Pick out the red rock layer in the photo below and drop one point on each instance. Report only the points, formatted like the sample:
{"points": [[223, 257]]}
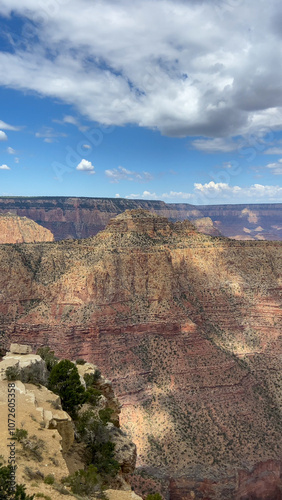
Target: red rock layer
{"points": [[84, 217], [187, 326]]}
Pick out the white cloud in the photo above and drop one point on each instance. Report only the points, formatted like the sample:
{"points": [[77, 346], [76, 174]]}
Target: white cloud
{"points": [[86, 166], [17, 160], [49, 135], [70, 119], [217, 145], [4, 167], [223, 191], [273, 151], [178, 195], [11, 151], [276, 167], [147, 195], [218, 193], [118, 174], [6, 126], [87, 146], [3, 136], [186, 68]]}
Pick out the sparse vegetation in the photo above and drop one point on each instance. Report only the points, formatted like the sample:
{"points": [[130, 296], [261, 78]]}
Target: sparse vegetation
{"points": [[12, 373], [48, 356], [5, 486], [93, 431], [20, 434], [80, 361], [86, 482], [49, 479]]}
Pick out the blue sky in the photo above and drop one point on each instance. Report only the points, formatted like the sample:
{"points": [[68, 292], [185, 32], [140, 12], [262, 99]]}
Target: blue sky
{"points": [[153, 99]]}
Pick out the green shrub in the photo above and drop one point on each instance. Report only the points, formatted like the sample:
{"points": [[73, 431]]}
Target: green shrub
{"points": [[154, 496], [20, 434], [5, 486], [33, 374], [48, 356], [12, 373], [93, 395], [33, 447], [95, 434], [49, 479], [80, 361], [91, 379], [64, 380], [106, 415], [85, 482]]}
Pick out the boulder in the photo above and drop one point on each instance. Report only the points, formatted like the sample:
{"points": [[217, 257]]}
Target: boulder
{"points": [[24, 366], [20, 349]]}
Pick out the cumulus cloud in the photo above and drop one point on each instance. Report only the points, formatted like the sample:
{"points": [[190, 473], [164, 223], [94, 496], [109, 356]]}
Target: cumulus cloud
{"points": [[119, 174], [86, 166], [218, 193], [146, 195], [186, 68], [3, 136], [254, 193], [178, 195], [276, 168], [4, 167]]}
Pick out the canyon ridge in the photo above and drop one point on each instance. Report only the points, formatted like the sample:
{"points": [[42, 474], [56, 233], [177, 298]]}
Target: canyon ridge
{"points": [[188, 328], [71, 217]]}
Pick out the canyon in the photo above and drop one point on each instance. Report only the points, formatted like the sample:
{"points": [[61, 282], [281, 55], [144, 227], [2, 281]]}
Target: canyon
{"points": [[188, 328], [70, 217]]}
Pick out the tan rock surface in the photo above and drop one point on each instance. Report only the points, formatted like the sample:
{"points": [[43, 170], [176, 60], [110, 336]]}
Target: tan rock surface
{"points": [[32, 413], [15, 229], [24, 363], [122, 495]]}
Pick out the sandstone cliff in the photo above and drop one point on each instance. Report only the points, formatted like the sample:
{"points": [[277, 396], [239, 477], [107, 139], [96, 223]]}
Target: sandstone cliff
{"points": [[84, 217], [47, 451], [14, 229], [187, 326]]}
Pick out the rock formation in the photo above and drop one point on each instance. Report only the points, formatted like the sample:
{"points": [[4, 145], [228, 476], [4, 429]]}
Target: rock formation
{"points": [[188, 328], [48, 443], [84, 217], [14, 229]]}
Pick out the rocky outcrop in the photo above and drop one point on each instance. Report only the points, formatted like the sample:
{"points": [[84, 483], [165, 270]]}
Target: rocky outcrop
{"points": [[188, 328], [84, 217], [206, 226], [48, 440], [24, 365], [15, 229]]}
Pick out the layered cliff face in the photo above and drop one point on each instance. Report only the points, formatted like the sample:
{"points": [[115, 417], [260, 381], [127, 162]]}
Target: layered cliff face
{"points": [[14, 229], [187, 326], [84, 217]]}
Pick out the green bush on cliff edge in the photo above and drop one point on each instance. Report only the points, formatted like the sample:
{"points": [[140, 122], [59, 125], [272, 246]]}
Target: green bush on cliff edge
{"points": [[5, 485], [64, 380]]}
